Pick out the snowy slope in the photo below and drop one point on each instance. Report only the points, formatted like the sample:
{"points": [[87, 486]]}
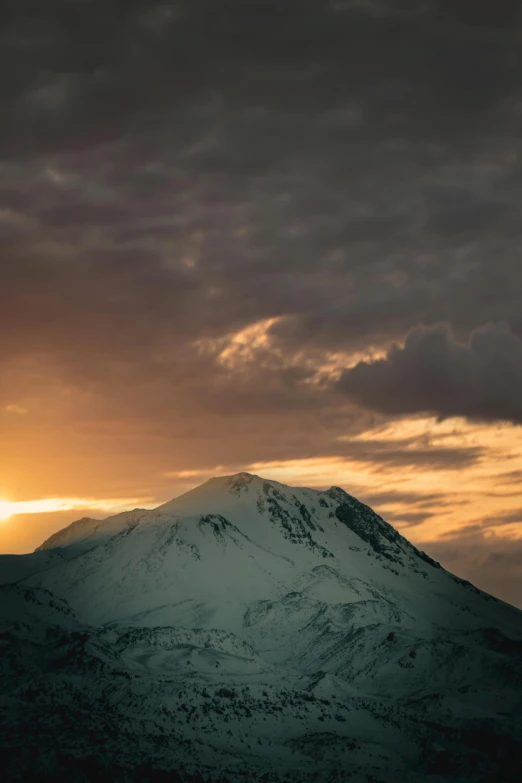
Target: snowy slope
{"points": [[282, 631]]}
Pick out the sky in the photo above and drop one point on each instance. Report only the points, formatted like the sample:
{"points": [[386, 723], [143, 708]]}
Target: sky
{"points": [[281, 237]]}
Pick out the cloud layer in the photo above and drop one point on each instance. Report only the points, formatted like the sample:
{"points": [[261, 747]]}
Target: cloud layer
{"points": [[434, 373], [181, 171]]}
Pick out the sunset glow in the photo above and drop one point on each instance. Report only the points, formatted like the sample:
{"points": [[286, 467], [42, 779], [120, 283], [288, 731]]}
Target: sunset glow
{"points": [[310, 273], [473, 494], [48, 505]]}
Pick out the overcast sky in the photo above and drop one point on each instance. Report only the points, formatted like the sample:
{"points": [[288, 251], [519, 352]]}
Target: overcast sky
{"points": [[282, 236]]}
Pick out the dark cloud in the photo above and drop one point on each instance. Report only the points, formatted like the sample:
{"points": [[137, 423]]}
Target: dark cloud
{"points": [[393, 455], [409, 519], [511, 477], [175, 171], [478, 552], [405, 498], [454, 210], [434, 373], [512, 517], [409, 509], [478, 13], [90, 72], [492, 564]]}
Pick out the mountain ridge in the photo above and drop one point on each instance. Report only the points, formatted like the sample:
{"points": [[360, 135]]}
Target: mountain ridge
{"points": [[224, 603]]}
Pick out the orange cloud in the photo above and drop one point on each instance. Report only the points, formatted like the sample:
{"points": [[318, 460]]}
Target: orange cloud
{"points": [[47, 505], [482, 493]]}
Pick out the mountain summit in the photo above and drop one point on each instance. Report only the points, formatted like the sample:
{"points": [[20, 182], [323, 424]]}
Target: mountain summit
{"points": [[249, 630]]}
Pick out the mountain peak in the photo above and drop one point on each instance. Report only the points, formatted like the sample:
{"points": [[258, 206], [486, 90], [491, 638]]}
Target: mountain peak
{"points": [[236, 479], [240, 481], [216, 489], [298, 608]]}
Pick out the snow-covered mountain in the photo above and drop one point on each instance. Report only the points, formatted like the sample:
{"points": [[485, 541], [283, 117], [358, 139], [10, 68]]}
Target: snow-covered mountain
{"points": [[252, 631]]}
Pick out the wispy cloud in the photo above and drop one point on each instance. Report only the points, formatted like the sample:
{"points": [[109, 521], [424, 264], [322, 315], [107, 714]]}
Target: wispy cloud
{"points": [[47, 505], [18, 409]]}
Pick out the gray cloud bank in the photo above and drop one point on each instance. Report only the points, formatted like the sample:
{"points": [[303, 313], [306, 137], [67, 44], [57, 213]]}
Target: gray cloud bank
{"points": [[434, 373], [493, 565], [177, 171]]}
